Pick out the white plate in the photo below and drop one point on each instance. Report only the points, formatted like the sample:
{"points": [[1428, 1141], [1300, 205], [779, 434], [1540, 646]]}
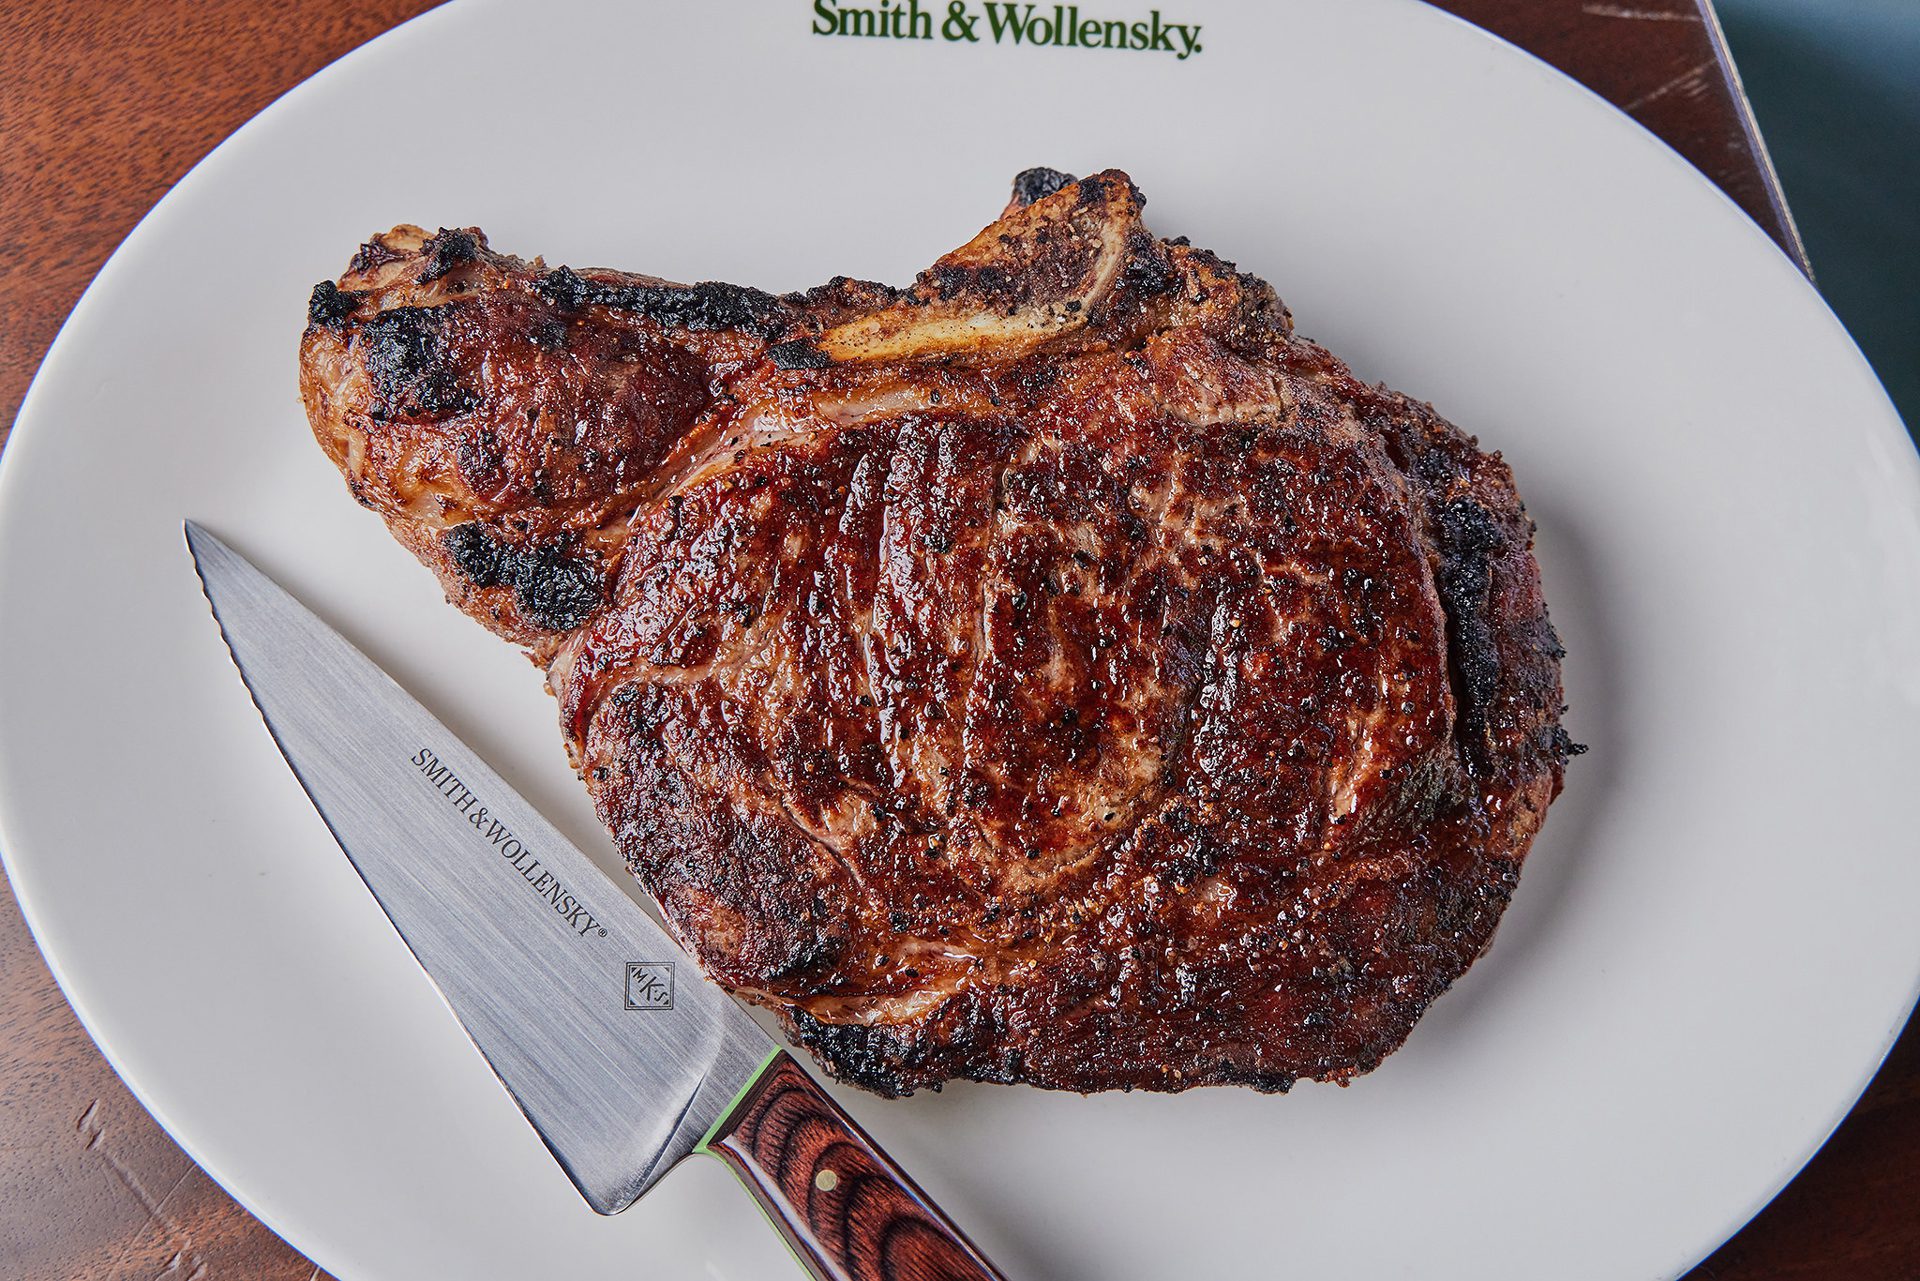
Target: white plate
{"points": [[1713, 942]]}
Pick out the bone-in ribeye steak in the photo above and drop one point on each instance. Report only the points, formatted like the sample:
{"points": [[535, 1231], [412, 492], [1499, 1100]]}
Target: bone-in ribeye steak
{"points": [[1056, 671]]}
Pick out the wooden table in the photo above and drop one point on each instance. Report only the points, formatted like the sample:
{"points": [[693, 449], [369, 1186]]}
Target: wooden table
{"points": [[103, 107]]}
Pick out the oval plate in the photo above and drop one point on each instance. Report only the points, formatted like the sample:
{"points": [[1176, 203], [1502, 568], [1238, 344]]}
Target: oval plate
{"points": [[1713, 942]]}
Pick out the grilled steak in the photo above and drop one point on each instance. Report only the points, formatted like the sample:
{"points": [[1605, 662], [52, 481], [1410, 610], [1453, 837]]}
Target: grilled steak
{"points": [[1056, 671]]}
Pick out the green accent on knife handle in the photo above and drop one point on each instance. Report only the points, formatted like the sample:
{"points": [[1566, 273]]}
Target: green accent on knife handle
{"points": [[846, 1210]]}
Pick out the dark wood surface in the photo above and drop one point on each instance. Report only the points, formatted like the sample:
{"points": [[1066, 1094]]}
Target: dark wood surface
{"points": [[104, 106], [1664, 63], [847, 1211]]}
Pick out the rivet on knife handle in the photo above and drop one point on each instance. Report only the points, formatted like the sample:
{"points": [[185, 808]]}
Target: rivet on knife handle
{"points": [[847, 1211]]}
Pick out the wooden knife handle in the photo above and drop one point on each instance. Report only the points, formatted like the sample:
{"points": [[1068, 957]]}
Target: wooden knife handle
{"points": [[847, 1211]]}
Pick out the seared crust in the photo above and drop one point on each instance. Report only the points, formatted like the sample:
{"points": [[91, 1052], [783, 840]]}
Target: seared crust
{"points": [[1054, 672], [503, 423]]}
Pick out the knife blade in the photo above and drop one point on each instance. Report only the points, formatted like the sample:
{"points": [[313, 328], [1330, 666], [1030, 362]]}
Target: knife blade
{"points": [[616, 1048]]}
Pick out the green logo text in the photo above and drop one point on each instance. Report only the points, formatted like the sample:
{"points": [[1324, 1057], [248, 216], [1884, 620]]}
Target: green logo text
{"points": [[1062, 26]]}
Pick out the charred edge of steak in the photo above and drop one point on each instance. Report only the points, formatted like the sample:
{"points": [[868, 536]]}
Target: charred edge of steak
{"points": [[710, 305], [894, 1064], [1038, 183], [798, 354], [406, 358], [1561, 745], [552, 590], [1468, 539], [373, 254], [1149, 270], [1258, 1081], [447, 250], [845, 294], [329, 306], [855, 1053]]}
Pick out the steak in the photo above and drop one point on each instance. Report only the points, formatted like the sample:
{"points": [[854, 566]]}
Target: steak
{"points": [[1056, 671]]}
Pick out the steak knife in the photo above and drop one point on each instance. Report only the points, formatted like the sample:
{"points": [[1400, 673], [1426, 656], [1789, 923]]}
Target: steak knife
{"points": [[622, 1055]]}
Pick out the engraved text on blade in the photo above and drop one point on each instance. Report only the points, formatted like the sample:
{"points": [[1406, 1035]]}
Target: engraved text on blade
{"points": [[511, 847]]}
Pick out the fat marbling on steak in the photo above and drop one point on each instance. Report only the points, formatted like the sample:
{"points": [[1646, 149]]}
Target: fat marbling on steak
{"points": [[1056, 671]]}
